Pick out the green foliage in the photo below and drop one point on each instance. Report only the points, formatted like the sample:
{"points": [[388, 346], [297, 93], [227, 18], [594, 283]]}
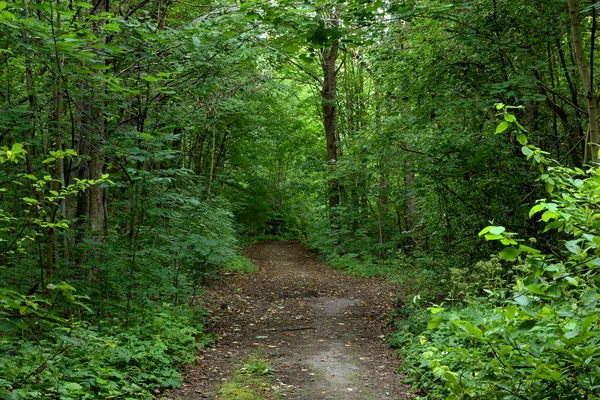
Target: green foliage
{"points": [[77, 360], [538, 340], [485, 276], [240, 264]]}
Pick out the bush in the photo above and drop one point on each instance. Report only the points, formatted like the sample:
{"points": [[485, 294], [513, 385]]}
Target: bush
{"points": [[77, 360], [539, 340]]}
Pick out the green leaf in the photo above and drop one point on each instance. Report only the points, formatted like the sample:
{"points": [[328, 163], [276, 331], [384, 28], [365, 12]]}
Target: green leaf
{"points": [[590, 297], [529, 250], [113, 27], [573, 247], [436, 310], [501, 127], [572, 280], [572, 333], [510, 118], [527, 325], [490, 236], [522, 139], [72, 386], [469, 328], [485, 230], [526, 151], [510, 312], [521, 299], [554, 291], [497, 230], [535, 209], [554, 225], [434, 322], [548, 215], [509, 254]]}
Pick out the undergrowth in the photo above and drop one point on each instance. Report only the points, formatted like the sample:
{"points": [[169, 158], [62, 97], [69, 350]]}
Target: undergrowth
{"points": [[48, 356], [239, 264], [523, 324]]}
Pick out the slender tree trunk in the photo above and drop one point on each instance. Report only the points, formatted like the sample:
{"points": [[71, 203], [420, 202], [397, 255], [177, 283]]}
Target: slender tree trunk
{"points": [[329, 108], [212, 160], [98, 221], [575, 135], [586, 79], [32, 97]]}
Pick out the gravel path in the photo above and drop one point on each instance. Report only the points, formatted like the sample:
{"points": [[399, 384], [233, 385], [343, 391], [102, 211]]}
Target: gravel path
{"points": [[321, 329]]}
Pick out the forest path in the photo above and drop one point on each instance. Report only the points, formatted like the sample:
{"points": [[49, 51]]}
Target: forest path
{"points": [[321, 329]]}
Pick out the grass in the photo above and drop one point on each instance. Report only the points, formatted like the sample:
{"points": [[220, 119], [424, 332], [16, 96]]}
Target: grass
{"points": [[241, 265], [251, 382]]}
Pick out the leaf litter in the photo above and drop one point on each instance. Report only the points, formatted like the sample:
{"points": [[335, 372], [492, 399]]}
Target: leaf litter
{"points": [[322, 330]]}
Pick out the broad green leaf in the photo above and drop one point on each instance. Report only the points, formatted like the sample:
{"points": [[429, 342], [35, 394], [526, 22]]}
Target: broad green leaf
{"points": [[497, 230], [572, 333], [573, 247], [554, 291], [590, 297], [436, 310], [521, 299], [572, 280], [548, 215], [510, 312], [501, 127], [72, 386], [485, 230], [529, 250], [509, 254], [526, 151], [527, 325], [491, 236], [434, 322], [535, 209], [554, 225], [522, 139]]}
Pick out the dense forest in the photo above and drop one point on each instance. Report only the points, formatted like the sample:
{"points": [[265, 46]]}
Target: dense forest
{"points": [[449, 146]]}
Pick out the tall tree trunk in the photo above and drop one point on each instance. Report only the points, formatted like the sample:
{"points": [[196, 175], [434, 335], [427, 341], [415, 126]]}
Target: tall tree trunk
{"points": [[32, 97], [328, 103], [586, 78], [97, 220], [575, 135]]}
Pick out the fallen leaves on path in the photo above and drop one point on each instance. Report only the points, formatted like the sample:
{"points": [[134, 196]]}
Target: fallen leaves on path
{"points": [[322, 330]]}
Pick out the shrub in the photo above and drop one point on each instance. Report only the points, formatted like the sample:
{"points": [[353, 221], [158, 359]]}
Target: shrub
{"points": [[540, 340]]}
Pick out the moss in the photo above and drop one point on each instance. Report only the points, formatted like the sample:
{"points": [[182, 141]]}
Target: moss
{"points": [[251, 382], [233, 390]]}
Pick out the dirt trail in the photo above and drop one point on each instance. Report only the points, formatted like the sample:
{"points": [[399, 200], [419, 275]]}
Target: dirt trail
{"points": [[322, 330]]}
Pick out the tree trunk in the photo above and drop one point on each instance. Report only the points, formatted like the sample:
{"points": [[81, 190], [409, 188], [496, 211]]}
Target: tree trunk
{"points": [[329, 108], [32, 97], [97, 208], [586, 79]]}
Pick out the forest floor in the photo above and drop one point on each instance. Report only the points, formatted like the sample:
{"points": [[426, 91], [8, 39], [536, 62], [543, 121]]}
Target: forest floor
{"points": [[321, 330]]}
